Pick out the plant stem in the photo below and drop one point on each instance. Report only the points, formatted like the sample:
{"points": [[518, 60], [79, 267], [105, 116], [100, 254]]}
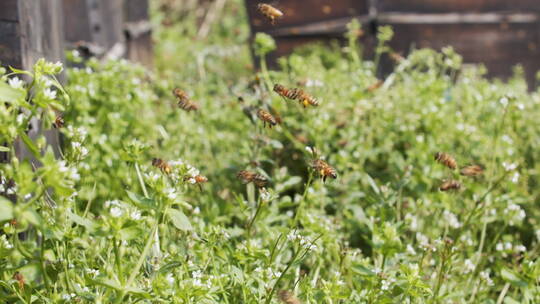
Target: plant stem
{"points": [[259, 207], [135, 270], [308, 184], [503, 293], [141, 181]]}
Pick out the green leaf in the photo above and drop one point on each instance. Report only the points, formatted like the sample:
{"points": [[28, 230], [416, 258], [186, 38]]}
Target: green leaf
{"points": [[30, 144], [4, 149], [129, 233], [141, 201], [362, 270], [6, 209], [87, 223], [179, 220], [32, 217], [9, 94], [512, 278]]}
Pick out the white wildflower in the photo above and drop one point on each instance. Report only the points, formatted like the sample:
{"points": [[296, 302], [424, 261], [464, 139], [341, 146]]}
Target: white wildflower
{"points": [[265, 196], [410, 249], [309, 149], [485, 276], [509, 166], [452, 219], [499, 246], [50, 94], [170, 278], [116, 211], [197, 210], [469, 266], [16, 83], [93, 272], [135, 215], [520, 248], [503, 101], [171, 193], [508, 246], [515, 177]]}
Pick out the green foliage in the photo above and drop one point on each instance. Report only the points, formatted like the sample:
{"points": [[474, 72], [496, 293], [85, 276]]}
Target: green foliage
{"points": [[100, 224]]}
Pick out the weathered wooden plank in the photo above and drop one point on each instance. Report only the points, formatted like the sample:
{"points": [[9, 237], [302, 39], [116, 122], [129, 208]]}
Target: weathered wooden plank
{"points": [[498, 46], [304, 12], [9, 10], [138, 32], [445, 6], [10, 44]]}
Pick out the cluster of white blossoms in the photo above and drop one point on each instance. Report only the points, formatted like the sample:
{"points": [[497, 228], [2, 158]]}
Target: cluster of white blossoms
{"points": [[469, 266], [451, 219], [302, 240], [4, 243], [79, 150], [70, 171], [69, 296], [93, 272], [197, 280], [7, 188], [507, 247], [514, 213], [386, 284], [484, 275]]}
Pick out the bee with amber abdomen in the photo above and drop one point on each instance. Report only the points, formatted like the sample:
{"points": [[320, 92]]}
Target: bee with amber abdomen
{"points": [[285, 92], [162, 165], [266, 118], [449, 185], [59, 122], [446, 159], [184, 102], [323, 169], [300, 95], [472, 170], [288, 297], [17, 276], [196, 180], [271, 13], [251, 177], [375, 86], [306, 99]]}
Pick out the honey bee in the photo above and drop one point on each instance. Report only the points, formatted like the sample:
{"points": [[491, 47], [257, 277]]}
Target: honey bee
{"points": [[58, 122], [162, 165], [323, 169], [271, 13], [197, 180], [184, 102], [17, 276], [251, 177], [266, 118], [450, 185], [472, 170], [446, 159], [304, 98], [288, 297], [375, 86]]}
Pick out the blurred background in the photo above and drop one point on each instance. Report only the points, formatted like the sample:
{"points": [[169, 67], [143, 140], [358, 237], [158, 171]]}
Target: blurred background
{"points": [[496, 33]]}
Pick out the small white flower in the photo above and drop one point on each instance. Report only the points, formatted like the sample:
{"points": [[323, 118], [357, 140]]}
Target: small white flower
{"points": [[93, 272], [50, 94], [265, 196], [135, 215], [469, 266], [196, 210], [309, 149], [508, 246], [76, 54], [116, 211], [499, 246], [171, 194], [192, 180], [76, 144], [509, 166], [515, 178], [410, 249], [520, 248], [170, 278], [504, 101], [16, 83]]}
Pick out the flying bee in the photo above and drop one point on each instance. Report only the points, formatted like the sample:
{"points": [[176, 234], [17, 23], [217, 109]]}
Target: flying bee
{"points": [[375, 86], [251, 177], [184, 102], [323, 169], [162, 165], [450, 185], [266, 117], [472, 170], [305, 99], [17, 276], [288, 297], [446, 159], [286, 93], [271, 13], [58, 122], [196, 180]]}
